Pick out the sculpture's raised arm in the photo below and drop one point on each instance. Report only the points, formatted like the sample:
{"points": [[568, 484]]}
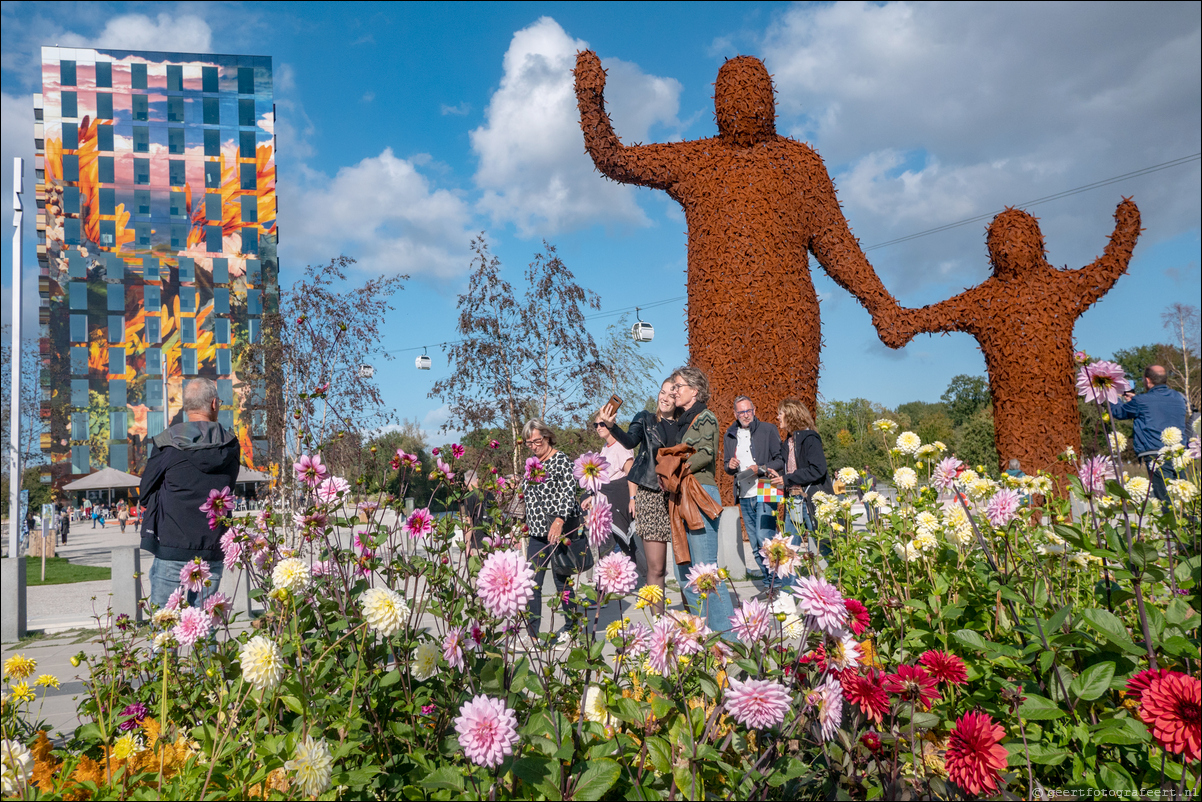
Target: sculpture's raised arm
{"points": [[1095, 280], [647, 165]]}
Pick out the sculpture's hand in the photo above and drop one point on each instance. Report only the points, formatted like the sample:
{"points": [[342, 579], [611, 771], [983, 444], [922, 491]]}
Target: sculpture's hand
{"points": [[590, 76], [894, 325]]}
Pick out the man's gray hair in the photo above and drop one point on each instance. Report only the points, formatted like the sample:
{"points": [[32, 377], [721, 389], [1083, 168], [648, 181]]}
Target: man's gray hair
{"points": [[744, 398], [544, 431], [199, 394]]}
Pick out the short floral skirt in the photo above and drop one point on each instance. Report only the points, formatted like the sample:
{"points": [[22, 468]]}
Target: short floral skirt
{"points": [[651, 512]]}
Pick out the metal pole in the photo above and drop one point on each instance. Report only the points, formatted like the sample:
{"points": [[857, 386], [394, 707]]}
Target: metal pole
{"points": [[166, 398], [14, 410]]}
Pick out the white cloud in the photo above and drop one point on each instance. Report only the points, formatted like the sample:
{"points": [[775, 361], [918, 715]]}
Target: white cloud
{"points": [[185, 33], [533, 170], [458, 110], [382, 212], [931, 113]]}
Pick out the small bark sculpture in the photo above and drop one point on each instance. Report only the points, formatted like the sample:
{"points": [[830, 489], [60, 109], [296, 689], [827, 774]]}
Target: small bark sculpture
{"points": [[1022, 317]]}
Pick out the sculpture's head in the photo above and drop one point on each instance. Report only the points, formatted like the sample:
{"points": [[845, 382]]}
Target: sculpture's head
{"points": [[743, 101], [1015, 243]]}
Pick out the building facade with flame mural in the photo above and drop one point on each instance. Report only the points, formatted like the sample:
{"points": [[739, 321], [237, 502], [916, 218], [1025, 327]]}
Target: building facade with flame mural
{"points": [[156, 245]]}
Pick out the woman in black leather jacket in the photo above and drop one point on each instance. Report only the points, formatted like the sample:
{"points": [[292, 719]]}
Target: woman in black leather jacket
{"points": [[649, 432]]}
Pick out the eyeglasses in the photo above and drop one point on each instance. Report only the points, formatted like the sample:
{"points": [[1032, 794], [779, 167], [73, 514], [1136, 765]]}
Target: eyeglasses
{"points": [[535, 443], [742, 412], [600, 426]]}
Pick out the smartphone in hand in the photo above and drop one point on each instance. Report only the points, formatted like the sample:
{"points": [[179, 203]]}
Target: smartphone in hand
{"points": [[610, 410]]}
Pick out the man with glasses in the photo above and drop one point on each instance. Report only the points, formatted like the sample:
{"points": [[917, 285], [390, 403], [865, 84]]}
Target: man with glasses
{"points": [[750, 447]]}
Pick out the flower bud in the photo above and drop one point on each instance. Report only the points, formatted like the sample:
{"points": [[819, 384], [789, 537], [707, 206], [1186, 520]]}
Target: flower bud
{"points": [[75, 661]]}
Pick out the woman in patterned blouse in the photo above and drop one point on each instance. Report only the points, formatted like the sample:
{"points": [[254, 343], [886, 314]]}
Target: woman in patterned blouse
{"points": [[552, 515]]}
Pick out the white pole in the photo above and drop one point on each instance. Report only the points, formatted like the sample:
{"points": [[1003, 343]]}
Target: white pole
{"points": [[14, 410], [166, 398]]}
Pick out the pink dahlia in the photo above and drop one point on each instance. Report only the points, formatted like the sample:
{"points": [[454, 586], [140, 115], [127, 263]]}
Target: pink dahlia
{"points": [[332, 489], [841, 652], [757, 703], [488, 731], [857, 615], [219, 607], [176, 599], [975, 756], [442, 470], [218, 504], [820, 599], [750, 622], [1140, 682], [408, 460], [194, 624], [704, 578], [945, 473], [310, 470], [505, 584], [457, 451], [231, 547], [535, 472], [1172, 708], [1102, 381], [674, 635], [475, 636], [1003, 507], [638, 639], [617, 574], [452, 647], [590, 469], [1094, 472], [420, 523], [945, 667], [194, 575], [830, 707], [599, 520]]}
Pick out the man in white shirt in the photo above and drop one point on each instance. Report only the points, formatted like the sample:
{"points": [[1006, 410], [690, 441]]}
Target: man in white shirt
{"points": [[749, 448]]}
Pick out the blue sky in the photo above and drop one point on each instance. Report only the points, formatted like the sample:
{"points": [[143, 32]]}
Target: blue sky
{"points": [[406, 129]]}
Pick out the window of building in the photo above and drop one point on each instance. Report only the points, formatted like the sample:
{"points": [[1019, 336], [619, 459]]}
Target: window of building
{"points": [[114, 267], [79, 426], [118, 424], [154, 329], [187, 360], [117, 393], [79, 361], [213, 207], [208, 79], [226, 418], [151, 298], [154, 422], [221, 271], [150, 268], [141, 171], [79, 328], [213, 175], [175, 78], [250, 208], [187, 330], [116, 328], [253, 268], [178, 204], [254, 302], [213, 239], [154, 362], [175, 109], [119, 454], [211, 111], [246, 144], [175, 141], [137, 76], [223, 362], [249, 174], [70, 168], [79, 393], [77, 266], [104, 170], [187, 269], [212, 142], [225, 391], [221, 331], [104, 105], [179, 237], [246, 80], [104, 138], [80, 459], [153, 391], [142, 233], [250, 240], [70, 105], [70, 137], [221, 301], [72, 231], [116, 297], [104, 74], [187, 300], [142, 201], [141, 108], [71, 200], [177, 174], [246, 112], [117, 361], [253, 330], [66, 73]]}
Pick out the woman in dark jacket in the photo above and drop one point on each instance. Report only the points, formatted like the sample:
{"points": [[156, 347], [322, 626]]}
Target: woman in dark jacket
{"points": [[648, 432], [805, 464]]}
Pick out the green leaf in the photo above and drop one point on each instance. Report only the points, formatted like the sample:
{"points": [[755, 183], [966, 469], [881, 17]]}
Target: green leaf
{"points": [[1116, 778], [1177, 612], [1057, 620], [659, 754], [443, 777], [1121, 732], [293, 704], [1041, 594], [1093, 682], [709, 685], [1189, 569], [390, 679], [533, 770], [1179, 646], [627, 710], [598, 778], [1112, 628], [1047, 755], [972, 640], [1037, 708], [661, 706]]}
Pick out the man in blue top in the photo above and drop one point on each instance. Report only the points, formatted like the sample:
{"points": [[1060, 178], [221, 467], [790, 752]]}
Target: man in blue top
{"points": [[1154, 411]]}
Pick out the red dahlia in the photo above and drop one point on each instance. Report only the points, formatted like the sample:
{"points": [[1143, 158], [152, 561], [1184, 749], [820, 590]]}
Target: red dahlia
{"points": [[857, 615], [974, 755], [1172, 708], [913, 684], [945, 667], [1140, 682], [871, 740], [866, 691]]}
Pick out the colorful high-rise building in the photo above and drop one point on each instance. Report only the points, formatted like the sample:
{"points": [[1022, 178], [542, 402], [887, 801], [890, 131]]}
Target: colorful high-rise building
{"points": [[156, 242]]}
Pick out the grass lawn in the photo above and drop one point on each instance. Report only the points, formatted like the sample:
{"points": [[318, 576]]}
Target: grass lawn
{"points": [[61, 572]]}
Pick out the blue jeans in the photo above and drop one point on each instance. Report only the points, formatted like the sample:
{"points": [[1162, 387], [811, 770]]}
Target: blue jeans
{"points": [[703, 548], [759, 519], [1159, 477], [798, 522], [164, 580]]}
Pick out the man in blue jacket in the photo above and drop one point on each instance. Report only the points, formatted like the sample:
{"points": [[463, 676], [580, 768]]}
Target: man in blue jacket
{"points": [[1153, 412], [750, 447], [186, 462]]}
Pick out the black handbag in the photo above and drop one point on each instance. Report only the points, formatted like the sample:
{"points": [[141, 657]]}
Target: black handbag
{"points": [[571, 554]]}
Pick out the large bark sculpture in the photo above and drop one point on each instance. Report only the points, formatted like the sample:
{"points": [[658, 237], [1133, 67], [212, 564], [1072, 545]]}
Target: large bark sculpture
{"points": [[756, 203], [1022, 317]]}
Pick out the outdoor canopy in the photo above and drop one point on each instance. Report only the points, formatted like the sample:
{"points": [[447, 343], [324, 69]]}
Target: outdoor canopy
{"points": [[105, 479]]}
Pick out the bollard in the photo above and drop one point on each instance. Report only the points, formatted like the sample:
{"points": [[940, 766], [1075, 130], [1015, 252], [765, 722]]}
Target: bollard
{"points": [[730, 543], [127, 583], [12, 599], [241, 594]]}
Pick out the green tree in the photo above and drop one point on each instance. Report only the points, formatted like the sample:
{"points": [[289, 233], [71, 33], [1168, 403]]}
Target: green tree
{"points": [[1135, 360], [624, 370], [929, 421], [974, 441], [965, 397]]}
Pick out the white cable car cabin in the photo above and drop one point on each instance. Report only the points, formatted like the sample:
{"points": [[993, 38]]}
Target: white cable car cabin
{"points": [[642, 332]]}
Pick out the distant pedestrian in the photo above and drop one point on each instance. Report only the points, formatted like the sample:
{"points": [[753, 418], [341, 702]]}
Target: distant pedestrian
{"points": [[122, 516], [64, 524], [1154, 411]]}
